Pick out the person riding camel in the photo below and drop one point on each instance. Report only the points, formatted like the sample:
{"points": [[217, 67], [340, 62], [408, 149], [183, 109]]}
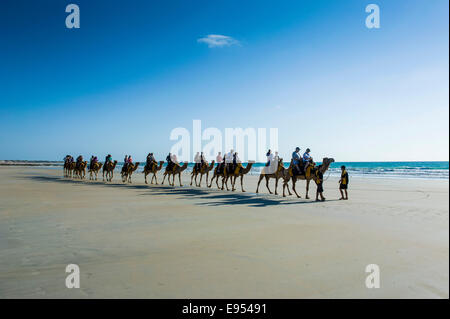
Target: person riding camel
{"points": [[229, 161], [169, 162], [79, 160], [269, 157], [296, 159], [202, 159], [307, 162], [197, 161], [150, 161], [276, 159], [68, 159], [108, 159], [91, 162], [175, 162], [236, 163], [125, 162], [219, 160]]}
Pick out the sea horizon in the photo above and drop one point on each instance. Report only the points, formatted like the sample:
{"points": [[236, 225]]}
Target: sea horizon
{"points": [[371, 169]]}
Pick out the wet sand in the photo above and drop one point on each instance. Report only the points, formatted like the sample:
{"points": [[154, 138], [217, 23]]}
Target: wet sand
{"points": [[142, 241]]}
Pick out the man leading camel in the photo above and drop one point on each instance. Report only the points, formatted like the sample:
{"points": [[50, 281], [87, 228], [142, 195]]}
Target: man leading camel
{"points": [[319, 182], [343, 183]]}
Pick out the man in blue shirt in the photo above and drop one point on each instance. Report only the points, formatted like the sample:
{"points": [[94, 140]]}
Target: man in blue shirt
{"points": [[296, 158], [307, 159]]}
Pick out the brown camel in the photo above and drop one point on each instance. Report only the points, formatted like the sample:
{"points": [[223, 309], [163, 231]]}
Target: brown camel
{"points": [[240, 171], [205, 169], [94, 170], [216, 176], [68, 169], [108, 169], [80, 171], [177, 169], [128, 170], [281, 172], [326, 162], [154, 168]]}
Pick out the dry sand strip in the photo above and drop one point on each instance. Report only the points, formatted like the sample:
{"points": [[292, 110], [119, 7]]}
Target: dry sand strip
{"points": [[146, 241]]}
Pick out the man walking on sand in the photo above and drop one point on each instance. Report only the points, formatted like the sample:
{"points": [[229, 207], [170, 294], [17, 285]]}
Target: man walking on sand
{"points": [[343, 183]]}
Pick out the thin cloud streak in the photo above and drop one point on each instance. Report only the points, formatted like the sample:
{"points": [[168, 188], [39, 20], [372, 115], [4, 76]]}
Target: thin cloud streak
{"points": [[218, 41]]}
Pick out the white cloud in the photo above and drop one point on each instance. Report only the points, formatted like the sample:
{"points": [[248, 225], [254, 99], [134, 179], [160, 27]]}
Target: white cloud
{"points": [[218, 41]]}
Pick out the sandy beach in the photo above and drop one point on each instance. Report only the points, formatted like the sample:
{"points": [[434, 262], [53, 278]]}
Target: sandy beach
{"points": [[147, 241]]}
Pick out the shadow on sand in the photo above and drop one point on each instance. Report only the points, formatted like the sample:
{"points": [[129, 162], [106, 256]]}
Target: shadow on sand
{"points": [[204, 197]]}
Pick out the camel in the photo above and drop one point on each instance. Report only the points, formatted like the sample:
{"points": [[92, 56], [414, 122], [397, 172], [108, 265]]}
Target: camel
{"points": [[68, 169], [205, 169], [175, 171], [241, 171], [326, 162], [108, 169], [128, 170], [80, 171], [274, 172], [153, 169], [216, 176], [94, 170]]}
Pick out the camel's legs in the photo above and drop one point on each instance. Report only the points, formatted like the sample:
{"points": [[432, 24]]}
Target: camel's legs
{"points": [[267, 184], [200, 183], [286, 186], [226, 182], [217, 182], [293, 186], [307, 188], [242, 183], [211, 181], [179, 178], [145, 176], [192, 177], [276, 185], [260, 179], [164, 177]]}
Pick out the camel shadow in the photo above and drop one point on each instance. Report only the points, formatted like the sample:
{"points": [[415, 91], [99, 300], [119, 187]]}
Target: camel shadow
{"points": [[207, 197]]}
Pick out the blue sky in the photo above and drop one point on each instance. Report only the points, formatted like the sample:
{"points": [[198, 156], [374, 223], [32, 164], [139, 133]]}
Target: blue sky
{"points": [[136, 70]]}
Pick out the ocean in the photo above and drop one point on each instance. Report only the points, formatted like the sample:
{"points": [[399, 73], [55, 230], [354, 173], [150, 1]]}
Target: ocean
{"points": [[426, 170]]}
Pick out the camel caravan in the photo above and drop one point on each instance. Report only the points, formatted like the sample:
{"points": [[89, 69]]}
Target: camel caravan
{"points": [[224, 170]]}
